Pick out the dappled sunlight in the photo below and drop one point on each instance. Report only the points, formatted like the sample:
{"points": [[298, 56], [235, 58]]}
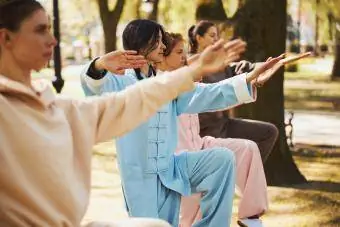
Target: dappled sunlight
{"points": [[301, 207], [324, 169], [310, 88], [315, 203]]}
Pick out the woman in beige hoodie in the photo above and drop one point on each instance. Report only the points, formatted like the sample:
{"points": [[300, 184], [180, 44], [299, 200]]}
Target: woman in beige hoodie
{"points": [[46, 141]]}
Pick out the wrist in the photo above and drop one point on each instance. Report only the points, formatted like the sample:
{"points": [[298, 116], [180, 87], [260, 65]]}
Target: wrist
{"points": [[98, 65], [94, 72], [197, 73], [257, 83], [250, 76]]}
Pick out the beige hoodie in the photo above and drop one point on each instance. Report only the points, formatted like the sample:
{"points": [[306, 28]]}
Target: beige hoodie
{"points": [[46, 143]]}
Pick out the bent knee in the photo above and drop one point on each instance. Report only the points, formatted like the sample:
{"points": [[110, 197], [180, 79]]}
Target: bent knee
{"points": [[273, 130], [223, 155], [252, 147]]}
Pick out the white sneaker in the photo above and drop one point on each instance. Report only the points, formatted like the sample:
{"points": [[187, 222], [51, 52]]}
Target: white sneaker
{"points": [[250, 222]]}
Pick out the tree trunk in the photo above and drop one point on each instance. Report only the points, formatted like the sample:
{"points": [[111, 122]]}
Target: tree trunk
{"points": [[262, 24], [336, 66], [138, 4], [110, 19], [210, 10], [154, 13], [317, 22]]}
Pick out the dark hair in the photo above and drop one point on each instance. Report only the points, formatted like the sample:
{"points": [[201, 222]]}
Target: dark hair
{"points": [[142, 36], [14, 12], [174, 38], [200, 29]]}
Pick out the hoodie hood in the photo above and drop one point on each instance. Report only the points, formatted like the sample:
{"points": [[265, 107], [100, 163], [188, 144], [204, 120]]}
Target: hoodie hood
{"points": [[42, 93]]}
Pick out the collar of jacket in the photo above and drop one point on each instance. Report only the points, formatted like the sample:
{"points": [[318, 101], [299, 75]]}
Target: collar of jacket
{"points": [[42, 93]]}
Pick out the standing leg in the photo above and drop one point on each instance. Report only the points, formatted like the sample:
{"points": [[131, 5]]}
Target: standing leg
{"points": [[190, 210], [168, 204], [250, 177], [212, 173]]}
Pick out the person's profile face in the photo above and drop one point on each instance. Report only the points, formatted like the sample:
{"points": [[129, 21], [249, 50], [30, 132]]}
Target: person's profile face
{"points": [[209, 38], [32, 45], [176, 58], [157, 54]]}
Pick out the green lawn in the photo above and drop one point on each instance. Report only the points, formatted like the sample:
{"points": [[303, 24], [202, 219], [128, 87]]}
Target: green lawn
{"points": [[311, 88], [316, 203]]}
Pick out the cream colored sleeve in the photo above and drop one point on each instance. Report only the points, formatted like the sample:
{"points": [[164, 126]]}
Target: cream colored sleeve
{"points": [[117, 113]]}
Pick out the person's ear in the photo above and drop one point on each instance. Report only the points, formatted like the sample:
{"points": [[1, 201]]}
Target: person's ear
{"points": [[198, 38], [4, 36]]}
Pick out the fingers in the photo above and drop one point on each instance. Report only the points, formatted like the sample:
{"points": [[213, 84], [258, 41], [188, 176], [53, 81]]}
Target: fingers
{"points": [[134, 57], [133, 65], [192, 58], [130, 52], [230, 59], [234, 44], [129, 59], [295, 58], [120, 71], [268, 64], [240, 67], [218, 45]]}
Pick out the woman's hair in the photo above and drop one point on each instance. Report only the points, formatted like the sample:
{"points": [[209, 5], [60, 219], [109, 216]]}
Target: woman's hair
{"points": [[199, 29], [14, 12], [174, 39], [142, 36]]}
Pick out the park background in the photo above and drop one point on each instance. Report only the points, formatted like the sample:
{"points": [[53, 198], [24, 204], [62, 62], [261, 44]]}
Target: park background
{"points": [[302, 100]]}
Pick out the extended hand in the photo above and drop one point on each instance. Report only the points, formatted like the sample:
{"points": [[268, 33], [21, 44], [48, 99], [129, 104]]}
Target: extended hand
{"points": [[217, 57], [265, 70], [117, 61]]}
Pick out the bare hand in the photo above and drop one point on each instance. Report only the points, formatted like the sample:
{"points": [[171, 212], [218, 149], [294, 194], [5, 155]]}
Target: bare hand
{"points": [[117, 61], [240, 66], [264, 71], [217, 57], [271, 66], [295, 58], [192, 58]]}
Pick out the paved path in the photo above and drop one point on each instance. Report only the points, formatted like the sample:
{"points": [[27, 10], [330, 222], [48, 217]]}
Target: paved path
{"points": [[316, 128]]}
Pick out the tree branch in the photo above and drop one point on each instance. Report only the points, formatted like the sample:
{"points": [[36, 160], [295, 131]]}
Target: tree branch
{"points": [[117, 11], [103, 9]]}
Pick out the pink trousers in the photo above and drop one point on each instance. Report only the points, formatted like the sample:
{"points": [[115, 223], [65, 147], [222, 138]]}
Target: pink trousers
{"points": [[250, 181]]}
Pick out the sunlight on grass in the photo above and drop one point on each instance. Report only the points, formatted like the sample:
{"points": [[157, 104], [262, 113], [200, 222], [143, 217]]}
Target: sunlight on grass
{"points": [[310, 88], [313, 204]]}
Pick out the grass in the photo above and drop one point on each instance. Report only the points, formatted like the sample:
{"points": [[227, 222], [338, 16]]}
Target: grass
{"points": [[311, 88], [316, 203]]}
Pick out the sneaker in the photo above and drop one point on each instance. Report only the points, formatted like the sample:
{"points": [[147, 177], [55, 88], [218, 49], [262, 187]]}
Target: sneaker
{"points": [[250, 222]]}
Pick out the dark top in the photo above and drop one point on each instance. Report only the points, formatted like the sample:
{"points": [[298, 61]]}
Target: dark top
{"points": [[213, 123]]}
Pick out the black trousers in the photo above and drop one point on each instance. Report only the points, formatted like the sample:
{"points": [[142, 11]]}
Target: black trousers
{"points": [[262, 133]]}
